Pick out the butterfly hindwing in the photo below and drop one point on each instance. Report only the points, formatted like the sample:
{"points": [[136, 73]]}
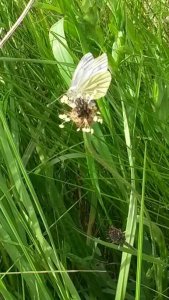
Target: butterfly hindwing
{"points": [[97, 85]]}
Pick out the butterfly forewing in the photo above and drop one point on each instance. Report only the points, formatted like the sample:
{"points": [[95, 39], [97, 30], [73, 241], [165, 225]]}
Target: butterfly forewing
{"points": [[82, 67], [100, 64]]}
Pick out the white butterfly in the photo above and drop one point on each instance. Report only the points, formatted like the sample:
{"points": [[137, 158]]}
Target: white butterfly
{"points": [[90, 81]]}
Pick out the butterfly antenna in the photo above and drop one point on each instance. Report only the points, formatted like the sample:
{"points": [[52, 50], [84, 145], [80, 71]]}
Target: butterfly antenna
{"points": [[51, 103]]}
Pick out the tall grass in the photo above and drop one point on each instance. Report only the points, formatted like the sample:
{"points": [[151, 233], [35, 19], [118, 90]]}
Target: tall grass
{"points": [[60, 190]]}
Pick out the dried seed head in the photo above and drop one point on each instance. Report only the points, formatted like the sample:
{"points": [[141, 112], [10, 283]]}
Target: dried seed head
{"points": [[116, 236]]}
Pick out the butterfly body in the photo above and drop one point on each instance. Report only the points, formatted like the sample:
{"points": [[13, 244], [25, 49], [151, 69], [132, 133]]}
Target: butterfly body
{"points": [[83, 108]]}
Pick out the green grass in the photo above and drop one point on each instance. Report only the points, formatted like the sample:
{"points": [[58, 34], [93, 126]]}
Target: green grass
{"points": [[60, 190]]}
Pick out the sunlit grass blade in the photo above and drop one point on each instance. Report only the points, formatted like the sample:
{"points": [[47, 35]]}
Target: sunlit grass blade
{"points": [[140, 233], [132, 216]]}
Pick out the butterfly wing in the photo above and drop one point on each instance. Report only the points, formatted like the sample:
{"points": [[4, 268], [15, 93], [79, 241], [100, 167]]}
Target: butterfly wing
{"points": [[98, 85], [91, 77]]}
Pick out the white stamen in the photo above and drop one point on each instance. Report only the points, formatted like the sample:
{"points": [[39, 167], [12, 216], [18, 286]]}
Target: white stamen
{"points": [[61, 126], [86, 129], [100, 121], [64, 99], [95, 119], [67, 119], [91, 130], [72, 104], [63, 116]]}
